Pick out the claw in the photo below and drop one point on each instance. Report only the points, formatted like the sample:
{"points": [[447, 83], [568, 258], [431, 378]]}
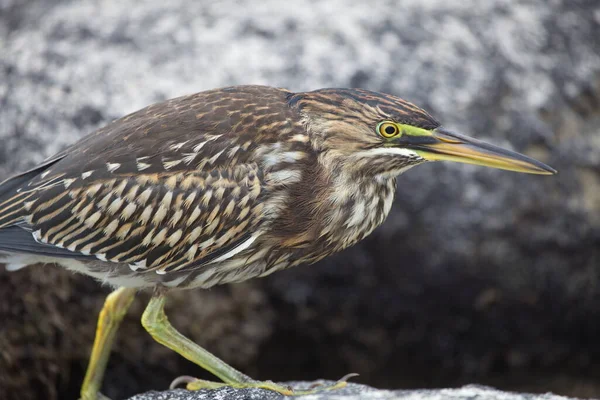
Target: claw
{"points": [[347, 377], [340, 383], [184, 379]]}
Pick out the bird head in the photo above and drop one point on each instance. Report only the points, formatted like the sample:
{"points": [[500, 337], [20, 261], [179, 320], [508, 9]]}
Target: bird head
{"points": [[380, 134]]}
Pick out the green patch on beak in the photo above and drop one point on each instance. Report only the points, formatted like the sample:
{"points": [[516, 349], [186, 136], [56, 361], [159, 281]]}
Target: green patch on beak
{"points": [[445, 145]]}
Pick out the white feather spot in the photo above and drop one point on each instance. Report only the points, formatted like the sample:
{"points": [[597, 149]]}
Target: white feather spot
{"points": [[392, 151], [271, 160], [190, 199], [86, 210], [195, 234], [103, 203], [146, 215], [178, 146], [300, 138], [188, 158], [191, 253], [291, 156], [92, 190], [233, 150], [112, 227], [93, 219], [87, 174], [115, 205], [209, 138], [285, 176], [161, 213], [207, 243], [175, 218], [112, 167], [132, 193], [358, 214], [144, 196], [148, 238], [215, 157], [138, 265], [199, 146], [142, 165], [241, 247], [170, 164], [175, 237], [160, 237], [118, 191], [194, 216], [128, 211], [166, 201], [68, 182], [206, 197]]}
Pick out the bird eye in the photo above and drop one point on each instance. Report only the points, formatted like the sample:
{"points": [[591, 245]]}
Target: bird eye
{"points": [[388, 129]]}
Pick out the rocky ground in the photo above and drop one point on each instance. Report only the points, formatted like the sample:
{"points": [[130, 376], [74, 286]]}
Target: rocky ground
{"points": [[478, 276], [351, 392]]}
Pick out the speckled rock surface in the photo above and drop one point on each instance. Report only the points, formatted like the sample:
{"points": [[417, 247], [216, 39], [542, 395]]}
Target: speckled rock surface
{"points": [[351, 392], [477, 276]]}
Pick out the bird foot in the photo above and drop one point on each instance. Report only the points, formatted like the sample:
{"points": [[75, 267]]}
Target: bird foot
{"points": [[192, 383]]}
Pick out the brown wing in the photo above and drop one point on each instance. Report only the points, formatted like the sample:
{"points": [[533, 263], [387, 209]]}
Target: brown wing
{"points": [[171, 186], [151, 221]]}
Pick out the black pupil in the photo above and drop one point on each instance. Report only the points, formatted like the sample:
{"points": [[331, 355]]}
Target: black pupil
{"points": [[390, 130]]}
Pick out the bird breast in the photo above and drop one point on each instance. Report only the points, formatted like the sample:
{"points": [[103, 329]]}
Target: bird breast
{"points": [[357, 208]]}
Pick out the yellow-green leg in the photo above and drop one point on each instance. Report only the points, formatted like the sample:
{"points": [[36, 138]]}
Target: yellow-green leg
{"points": [[114, 309], [156, 323]]}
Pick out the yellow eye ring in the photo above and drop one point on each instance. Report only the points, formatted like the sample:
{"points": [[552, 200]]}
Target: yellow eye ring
{"points": [[388, 129]]}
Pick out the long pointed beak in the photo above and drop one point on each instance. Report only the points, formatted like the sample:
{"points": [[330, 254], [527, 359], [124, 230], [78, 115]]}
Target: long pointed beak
{"points": [[451, 146]]}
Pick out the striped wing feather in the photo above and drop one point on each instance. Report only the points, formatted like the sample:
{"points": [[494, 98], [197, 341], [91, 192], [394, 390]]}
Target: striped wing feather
{"points": [[172, 186], [152, 222]]}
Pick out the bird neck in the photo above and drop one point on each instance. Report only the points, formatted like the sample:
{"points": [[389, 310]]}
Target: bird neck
{"points": [[355, 198], [358, 205], [328, 211]]}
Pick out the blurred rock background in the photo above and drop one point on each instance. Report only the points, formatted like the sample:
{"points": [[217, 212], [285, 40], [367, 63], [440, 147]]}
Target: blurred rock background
{"points": [[478, 276]]}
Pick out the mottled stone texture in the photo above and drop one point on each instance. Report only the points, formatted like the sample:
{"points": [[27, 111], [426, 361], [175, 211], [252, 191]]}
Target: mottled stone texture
{"points": [[478, 276], [351, 392]]}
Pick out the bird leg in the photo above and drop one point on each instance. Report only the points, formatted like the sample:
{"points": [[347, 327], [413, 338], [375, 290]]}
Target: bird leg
{"points": [[112, 313], [157, 324]]}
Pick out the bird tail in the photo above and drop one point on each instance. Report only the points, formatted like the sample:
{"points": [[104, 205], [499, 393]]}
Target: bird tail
{"points": [[14, 194], [13, 209], [11, 212], [18, 248]]}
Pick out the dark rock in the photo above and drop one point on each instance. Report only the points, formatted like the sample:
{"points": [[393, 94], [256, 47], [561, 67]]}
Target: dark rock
{"points": [[478, 275], [351, 392]]}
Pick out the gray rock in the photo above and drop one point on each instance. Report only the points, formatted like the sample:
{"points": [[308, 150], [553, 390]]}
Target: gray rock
{"points": [[351, 392], [477, 276]]}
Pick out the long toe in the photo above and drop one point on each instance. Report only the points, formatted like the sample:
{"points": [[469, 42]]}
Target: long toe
{"points": [[197, 384], [192, 383]]}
